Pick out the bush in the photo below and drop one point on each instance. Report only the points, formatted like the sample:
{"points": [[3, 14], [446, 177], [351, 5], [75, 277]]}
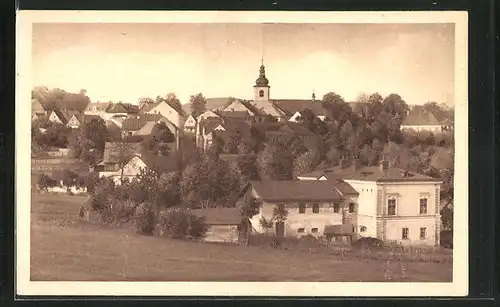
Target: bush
{"points": [[446, 239], [45, 182], [368, 243], [144, 219], [181, 224]]}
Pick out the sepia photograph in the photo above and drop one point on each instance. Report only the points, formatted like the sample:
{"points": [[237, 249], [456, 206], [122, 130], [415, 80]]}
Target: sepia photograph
{"points": [[242, 153]]}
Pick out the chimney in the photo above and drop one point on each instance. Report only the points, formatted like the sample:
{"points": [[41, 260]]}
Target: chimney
{"points": [[384, 165]]}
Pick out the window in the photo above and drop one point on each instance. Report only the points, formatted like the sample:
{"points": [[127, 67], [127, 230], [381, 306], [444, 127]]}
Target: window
{"points": [[405, 234], [301, 230], [352, 208], [261, 93], [362, 229], [315, 208], [336, 208], [302, 208], [423, 205], [423, 233], [314, 230], [391, 206]]}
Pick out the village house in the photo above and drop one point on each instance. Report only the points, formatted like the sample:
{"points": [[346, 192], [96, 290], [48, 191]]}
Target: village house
{"points": [[75, 119], [294, 108], [224, 224], [190, 125], [394, 205], [58, 117], [97, 108], [37, 110], [163, 108], [311, 206], [120, 111], [143, 126], [419, 120], [132, 159]]}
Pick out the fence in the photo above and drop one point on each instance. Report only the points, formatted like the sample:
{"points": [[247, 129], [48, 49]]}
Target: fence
{"points": [[312, 245]]}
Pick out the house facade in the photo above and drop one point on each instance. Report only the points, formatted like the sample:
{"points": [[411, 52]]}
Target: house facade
{"points": [[311, 207], [394, 205], [37, 110], [190, 125], [223, 224], [166, 110]]}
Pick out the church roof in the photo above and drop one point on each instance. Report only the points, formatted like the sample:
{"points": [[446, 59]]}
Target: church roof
{"points": [[291, 106]]}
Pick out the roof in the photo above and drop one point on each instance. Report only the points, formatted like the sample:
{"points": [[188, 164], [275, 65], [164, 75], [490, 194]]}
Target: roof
{"points": [[295, 190], [420, 118], [371, 173], [151, 106], [162, 163], [218, 104], [122, 108], [100, 106], [219, 216], [71, 113], [234, 114], [63, 116], [209, 124], [344, 188], [89, 118], [291, 106], [36, 106], [133, 124], [297, 128], [112, 148]]}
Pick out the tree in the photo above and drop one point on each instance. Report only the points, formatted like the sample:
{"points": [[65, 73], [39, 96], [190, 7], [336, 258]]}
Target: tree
{"points": [[69, 178], [122, 153], [96, 132], [337, 108], [210, 180], [305, 162], [174, 102], [159, 140], [145, 101], [232, 143], [198, 104], [275, 163]]}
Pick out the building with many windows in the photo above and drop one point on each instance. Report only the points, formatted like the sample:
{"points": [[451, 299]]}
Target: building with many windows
{"points": [[394, 205]]}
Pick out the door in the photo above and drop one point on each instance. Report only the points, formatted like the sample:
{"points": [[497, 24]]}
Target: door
{"points": [[280, 229]]}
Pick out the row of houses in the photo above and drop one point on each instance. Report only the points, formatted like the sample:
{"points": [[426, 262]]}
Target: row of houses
{"points": [[139, 120], [391, 204]]}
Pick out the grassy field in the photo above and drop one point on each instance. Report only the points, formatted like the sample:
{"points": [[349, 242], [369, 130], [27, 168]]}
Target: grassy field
{"points": [[66, 249]]}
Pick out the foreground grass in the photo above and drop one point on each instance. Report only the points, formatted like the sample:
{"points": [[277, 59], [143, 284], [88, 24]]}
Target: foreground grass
{"points": [[64, 249]]}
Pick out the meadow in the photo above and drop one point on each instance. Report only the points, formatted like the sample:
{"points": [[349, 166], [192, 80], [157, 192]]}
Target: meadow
{"points": [[64, 248]]}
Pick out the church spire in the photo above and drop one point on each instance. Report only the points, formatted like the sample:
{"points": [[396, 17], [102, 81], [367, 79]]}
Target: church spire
{"points": [[262, 80]]}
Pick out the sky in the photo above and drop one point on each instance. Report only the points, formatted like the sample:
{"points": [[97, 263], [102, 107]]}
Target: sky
{"points": [[123, 62]]}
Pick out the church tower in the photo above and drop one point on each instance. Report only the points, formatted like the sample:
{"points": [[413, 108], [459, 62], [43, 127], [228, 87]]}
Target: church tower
{"points": [[261, 87]]}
